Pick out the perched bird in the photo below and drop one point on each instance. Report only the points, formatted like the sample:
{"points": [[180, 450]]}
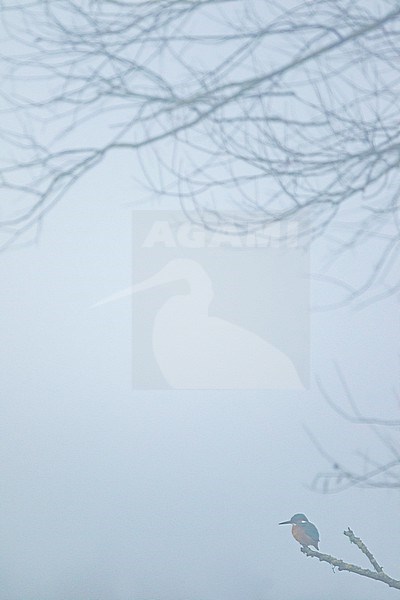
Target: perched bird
{"points": [[303, 531]]}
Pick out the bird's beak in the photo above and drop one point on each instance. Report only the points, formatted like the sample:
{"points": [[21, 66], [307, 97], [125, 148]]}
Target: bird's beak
{"points": [[157, 279], [285, 523]]}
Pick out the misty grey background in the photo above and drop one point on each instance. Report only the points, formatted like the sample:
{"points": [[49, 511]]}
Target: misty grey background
{"points": [[113, 494]]}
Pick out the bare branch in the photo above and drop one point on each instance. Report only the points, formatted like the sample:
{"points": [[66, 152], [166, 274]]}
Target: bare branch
{"points": [[360, 544], [382, 473], [378, 574], [286, 113]]}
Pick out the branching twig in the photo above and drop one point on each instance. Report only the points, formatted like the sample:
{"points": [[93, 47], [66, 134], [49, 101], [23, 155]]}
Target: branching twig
{"points": [[341, 565], [360, 544], [309, 135], [376, 474]]}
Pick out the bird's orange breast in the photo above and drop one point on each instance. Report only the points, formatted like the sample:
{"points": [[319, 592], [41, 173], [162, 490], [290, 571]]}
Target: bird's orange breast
{"points": [[302, 537]]}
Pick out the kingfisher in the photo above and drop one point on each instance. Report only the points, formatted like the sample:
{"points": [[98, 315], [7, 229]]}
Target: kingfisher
{"points": [[303, 531]]}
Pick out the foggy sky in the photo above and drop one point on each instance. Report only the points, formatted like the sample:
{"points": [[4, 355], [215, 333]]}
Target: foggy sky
{"points": [[108, 493], [113, 494]]}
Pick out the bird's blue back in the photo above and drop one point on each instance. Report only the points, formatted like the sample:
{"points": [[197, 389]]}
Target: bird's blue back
{"points": [[311, 530]]}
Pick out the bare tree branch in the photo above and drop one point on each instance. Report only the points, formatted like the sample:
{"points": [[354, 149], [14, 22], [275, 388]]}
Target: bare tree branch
{"points": [[378, 574], [287, 113], [376, 473]]}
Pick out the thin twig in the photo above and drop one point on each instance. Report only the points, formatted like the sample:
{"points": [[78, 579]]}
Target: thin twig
{"points": [[360, 544], [341, 565]]}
